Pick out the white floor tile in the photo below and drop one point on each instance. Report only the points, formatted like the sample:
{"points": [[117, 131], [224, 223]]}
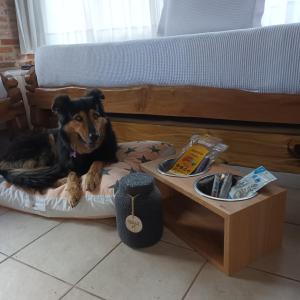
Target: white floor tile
{"points": [[159, 272], [3, 210], [293, 206], [70, 250], [76, 294], [109, 221], [212, 284], [20, 282], [170, 237], [17, 230], [2, 257], [286, 260]]}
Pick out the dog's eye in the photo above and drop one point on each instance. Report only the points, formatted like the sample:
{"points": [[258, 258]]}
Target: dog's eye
{"points": [[96, 116], [78, 118]]}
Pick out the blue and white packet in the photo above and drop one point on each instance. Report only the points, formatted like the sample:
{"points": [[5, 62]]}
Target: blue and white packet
{"points": [[251, 183]]}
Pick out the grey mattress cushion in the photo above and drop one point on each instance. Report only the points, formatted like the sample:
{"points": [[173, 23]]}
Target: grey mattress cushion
{"points": [[264, 59]]}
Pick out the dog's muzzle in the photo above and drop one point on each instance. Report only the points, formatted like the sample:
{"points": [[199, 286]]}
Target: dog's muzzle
{"points": [[93, 138]]}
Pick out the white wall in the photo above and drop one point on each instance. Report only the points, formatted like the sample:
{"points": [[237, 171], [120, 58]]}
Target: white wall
{"points": [[291, 182]]}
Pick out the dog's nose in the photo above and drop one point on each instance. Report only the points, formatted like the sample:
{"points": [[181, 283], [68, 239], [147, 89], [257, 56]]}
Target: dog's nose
{"points": [[93, 137]]}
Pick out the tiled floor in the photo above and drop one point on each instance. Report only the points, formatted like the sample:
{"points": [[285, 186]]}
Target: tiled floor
{"points": [[77, 260]]}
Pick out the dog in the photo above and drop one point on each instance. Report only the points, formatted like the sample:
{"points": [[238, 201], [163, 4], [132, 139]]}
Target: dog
{"points": [[82, 144]]}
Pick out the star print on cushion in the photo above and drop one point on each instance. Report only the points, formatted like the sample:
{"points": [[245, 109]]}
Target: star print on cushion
{"points": [[154, 149], [105, 171], [166, 144], [143, 159], [131, 170], [129, 150]]}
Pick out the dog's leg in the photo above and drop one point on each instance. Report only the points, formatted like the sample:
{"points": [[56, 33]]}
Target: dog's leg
{"points": [[60, 182], [73, 189], [30, 164], [93, 176]]}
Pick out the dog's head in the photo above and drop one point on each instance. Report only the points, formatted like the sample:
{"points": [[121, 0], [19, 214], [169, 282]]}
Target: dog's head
{"points": [[83, 120]]}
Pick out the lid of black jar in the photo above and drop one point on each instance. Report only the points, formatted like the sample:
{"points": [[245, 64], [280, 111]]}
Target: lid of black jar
{"points": [[137, 183]]}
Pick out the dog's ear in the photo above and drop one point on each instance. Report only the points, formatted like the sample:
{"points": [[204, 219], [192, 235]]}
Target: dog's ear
{"points": [[60, 104], [96, 94], [98, 97]]}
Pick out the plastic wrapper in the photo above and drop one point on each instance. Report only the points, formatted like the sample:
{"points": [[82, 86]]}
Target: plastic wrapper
{"points": [[251, 183], [198, 155]]}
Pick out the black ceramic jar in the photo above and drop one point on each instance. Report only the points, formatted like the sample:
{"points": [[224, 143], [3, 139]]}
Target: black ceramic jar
{"points": [[139, 210]]}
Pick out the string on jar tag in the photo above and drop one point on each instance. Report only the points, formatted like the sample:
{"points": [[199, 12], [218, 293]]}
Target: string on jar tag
{"points": [[132, 222]]}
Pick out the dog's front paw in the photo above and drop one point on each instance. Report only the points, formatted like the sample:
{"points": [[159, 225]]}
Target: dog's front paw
{"points": [[73, 189], [92, 181], [73, 199], [74, 195]]}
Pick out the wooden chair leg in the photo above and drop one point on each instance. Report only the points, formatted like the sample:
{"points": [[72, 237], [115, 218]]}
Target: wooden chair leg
{"points": [[13, 128]]}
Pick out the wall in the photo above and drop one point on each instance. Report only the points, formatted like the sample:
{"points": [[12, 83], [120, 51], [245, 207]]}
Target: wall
{"points": [[291, 182], [9, 42]]}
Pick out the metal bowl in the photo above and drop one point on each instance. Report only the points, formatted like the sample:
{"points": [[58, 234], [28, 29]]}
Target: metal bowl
{"points": [[166, 165], [200, 190]]}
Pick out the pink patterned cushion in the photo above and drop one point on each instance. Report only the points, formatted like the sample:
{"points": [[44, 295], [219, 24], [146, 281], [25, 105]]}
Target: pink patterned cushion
{"points": [[99, 204]]}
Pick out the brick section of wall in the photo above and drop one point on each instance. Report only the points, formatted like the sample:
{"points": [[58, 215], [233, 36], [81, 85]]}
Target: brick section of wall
{"points": [[9, 41]]}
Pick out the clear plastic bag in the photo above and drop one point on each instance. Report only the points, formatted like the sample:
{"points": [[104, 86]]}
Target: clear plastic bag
{"points": [[198, 155]]}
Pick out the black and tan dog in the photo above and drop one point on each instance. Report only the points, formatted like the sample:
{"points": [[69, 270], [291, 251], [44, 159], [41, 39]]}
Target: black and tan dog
{"points": [[82, 144]]}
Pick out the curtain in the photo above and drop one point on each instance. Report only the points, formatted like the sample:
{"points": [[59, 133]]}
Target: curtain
{"points": [[30, 26], [281, 12], [48, 22]]}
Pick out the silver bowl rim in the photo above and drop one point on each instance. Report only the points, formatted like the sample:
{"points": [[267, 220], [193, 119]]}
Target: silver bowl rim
{"points": [[180, 176], [220, 199]]}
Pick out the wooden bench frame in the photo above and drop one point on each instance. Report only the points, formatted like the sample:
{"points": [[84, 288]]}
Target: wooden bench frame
{"points": [[12, 110], [259, 128]]}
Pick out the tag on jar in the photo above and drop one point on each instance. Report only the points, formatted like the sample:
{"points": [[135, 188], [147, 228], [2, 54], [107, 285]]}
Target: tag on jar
{"points": [[134, 224]]}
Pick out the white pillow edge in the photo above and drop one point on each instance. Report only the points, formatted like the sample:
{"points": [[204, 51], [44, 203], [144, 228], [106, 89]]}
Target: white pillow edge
{"points": [[256, 17], [161, 29], [258, 13]]}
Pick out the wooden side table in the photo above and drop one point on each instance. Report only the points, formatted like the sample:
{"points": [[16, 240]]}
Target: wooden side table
{"points": [[12, 112], [19, 75], [230, 235]]}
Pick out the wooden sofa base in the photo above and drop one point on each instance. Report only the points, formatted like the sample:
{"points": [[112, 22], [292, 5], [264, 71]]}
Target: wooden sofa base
{"points": [[250, 145], [150, 108], [183, 101]]}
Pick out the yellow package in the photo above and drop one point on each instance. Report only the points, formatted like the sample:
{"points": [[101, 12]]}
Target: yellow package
{"points": [[189, 160]]}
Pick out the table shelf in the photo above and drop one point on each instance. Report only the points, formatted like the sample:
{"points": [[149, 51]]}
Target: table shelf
{"points": [[230, 235], [197, 226]]}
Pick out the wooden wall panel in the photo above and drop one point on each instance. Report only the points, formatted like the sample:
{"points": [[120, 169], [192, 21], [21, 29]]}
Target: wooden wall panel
{"points": [[246, 148], [250, 146], [277, 148]]}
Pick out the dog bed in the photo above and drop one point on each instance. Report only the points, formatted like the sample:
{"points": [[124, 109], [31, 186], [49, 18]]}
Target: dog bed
{"points": [[99, 204]]}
